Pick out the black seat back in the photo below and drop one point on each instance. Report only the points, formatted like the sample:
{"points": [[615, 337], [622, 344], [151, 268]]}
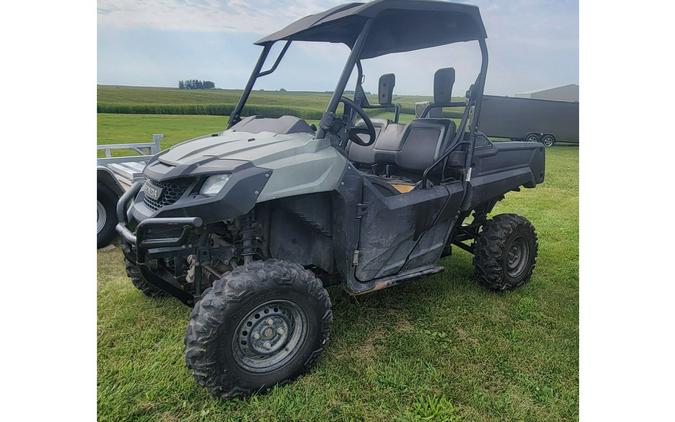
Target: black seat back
{"points": [[365, 156], [423, 142], [425, 139], [385, 91], [444, 79], [410, 148]]}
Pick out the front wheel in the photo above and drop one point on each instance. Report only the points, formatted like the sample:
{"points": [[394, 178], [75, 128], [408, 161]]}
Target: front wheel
{"points": [[260, 325], [532, 137], [505, 252]]}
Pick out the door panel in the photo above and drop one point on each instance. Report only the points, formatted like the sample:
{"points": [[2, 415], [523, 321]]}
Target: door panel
{"points": [[398, 225]]}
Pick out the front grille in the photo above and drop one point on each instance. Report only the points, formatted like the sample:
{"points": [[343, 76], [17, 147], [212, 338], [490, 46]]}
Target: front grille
{"points": [[172, 190]]}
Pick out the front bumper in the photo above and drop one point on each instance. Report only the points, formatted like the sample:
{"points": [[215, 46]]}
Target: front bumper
{"points": [[140, 247], [139, 240]]}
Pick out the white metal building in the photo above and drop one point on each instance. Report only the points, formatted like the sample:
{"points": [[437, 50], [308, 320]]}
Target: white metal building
{"points": [[561, 93]]}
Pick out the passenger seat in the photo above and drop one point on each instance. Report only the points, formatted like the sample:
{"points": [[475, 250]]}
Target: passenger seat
{"points": [[410, 149], [426, 139]]}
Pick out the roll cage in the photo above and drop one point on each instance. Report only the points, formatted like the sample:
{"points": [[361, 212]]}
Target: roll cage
{"points": [[368, 30]]}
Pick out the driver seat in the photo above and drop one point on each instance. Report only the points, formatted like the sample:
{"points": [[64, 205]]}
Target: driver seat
{"points": [[364, 156]]}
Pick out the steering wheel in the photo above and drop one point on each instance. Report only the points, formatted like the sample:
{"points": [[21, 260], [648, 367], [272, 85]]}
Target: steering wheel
{"points": [[354, 132]]}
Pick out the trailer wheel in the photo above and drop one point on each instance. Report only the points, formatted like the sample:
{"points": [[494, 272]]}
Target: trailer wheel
{"points": [[548, 140], [505, 252], [262, 324], [106, 218], [532, 137]]}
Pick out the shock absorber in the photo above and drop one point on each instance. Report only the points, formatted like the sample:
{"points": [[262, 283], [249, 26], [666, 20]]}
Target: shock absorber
{"points": [[248, 238]]}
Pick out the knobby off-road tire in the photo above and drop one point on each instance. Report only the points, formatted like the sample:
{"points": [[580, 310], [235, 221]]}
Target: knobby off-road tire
{"points": [[505, 252], [140, 283], [106, 217], [260, 325]]}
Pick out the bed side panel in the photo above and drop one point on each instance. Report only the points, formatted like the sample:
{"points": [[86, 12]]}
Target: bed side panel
{"points": [[503, 167]]}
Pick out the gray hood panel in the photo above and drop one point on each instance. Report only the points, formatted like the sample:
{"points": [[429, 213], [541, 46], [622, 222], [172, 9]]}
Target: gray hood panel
{"points": [[229, 145], [300, 164]]}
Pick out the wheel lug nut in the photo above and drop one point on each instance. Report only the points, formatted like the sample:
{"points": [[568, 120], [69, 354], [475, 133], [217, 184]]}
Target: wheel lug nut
{"points": [[256, 336], [267, 345], [270, 321], [280, 331]]}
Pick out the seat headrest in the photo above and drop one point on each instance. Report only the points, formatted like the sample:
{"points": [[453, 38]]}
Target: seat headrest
{"points": [[444, 79], [386, 89]]}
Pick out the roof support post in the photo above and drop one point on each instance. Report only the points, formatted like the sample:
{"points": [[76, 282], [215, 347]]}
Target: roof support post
{"points": [[478, 98], [354, 56], [234, 117]]}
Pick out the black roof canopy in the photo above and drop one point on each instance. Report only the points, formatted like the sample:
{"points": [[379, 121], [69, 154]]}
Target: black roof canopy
{"points": [[400, 25]]}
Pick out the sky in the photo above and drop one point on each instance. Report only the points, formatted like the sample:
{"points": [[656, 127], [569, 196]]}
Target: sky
{"points": [[533, 44]]}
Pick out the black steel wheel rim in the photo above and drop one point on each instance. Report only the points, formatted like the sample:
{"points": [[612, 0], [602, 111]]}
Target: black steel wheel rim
{"points": [[517, 257], [269, 336], [548, 141]]}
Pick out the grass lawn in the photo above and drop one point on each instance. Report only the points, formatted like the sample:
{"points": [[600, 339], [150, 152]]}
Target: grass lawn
{"points": [[128, 128], [131, 95], [438, 348], [309, 105]]}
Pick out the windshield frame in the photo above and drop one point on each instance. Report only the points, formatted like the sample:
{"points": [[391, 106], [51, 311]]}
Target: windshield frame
{"points": [[474, 99]]}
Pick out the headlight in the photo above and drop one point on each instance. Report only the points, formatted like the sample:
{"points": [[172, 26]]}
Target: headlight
{"points": [[214, 184]]}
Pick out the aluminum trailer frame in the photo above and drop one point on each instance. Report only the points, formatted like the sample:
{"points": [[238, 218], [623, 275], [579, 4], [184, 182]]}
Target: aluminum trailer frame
{"points": [[114, 176]]}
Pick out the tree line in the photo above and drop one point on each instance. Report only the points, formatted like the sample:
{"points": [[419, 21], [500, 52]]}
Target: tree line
{"points": [[195, 84]]}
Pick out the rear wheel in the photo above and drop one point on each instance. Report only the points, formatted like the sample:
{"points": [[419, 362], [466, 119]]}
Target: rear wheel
{"points": [[505, 252], [548, 140], [106, 218], [261, 325]]}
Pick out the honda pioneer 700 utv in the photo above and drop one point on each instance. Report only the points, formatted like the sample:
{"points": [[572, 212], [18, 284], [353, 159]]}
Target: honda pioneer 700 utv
{"points": [[249, 225]]}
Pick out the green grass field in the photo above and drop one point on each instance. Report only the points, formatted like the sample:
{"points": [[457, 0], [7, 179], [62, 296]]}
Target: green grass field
{"points": [[439, 348], [308, 105], [138, 96], [126, 128]]}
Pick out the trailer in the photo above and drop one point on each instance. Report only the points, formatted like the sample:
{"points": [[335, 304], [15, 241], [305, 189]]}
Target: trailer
{"points": [[114, 176], [529, 119]]}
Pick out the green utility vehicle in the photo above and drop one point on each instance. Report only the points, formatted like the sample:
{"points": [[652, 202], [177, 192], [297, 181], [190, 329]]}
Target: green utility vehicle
{"points": [[250, 225]]}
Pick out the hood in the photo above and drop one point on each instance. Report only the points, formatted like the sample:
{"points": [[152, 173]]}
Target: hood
{"points": [[294, 163], [255, 147], [228, 152]]}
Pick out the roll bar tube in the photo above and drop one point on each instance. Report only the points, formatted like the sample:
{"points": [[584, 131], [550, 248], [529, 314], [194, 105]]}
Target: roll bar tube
{"points": [[432, 106], [257, 72], [476, 99], [346, 73], [479, 102]]}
